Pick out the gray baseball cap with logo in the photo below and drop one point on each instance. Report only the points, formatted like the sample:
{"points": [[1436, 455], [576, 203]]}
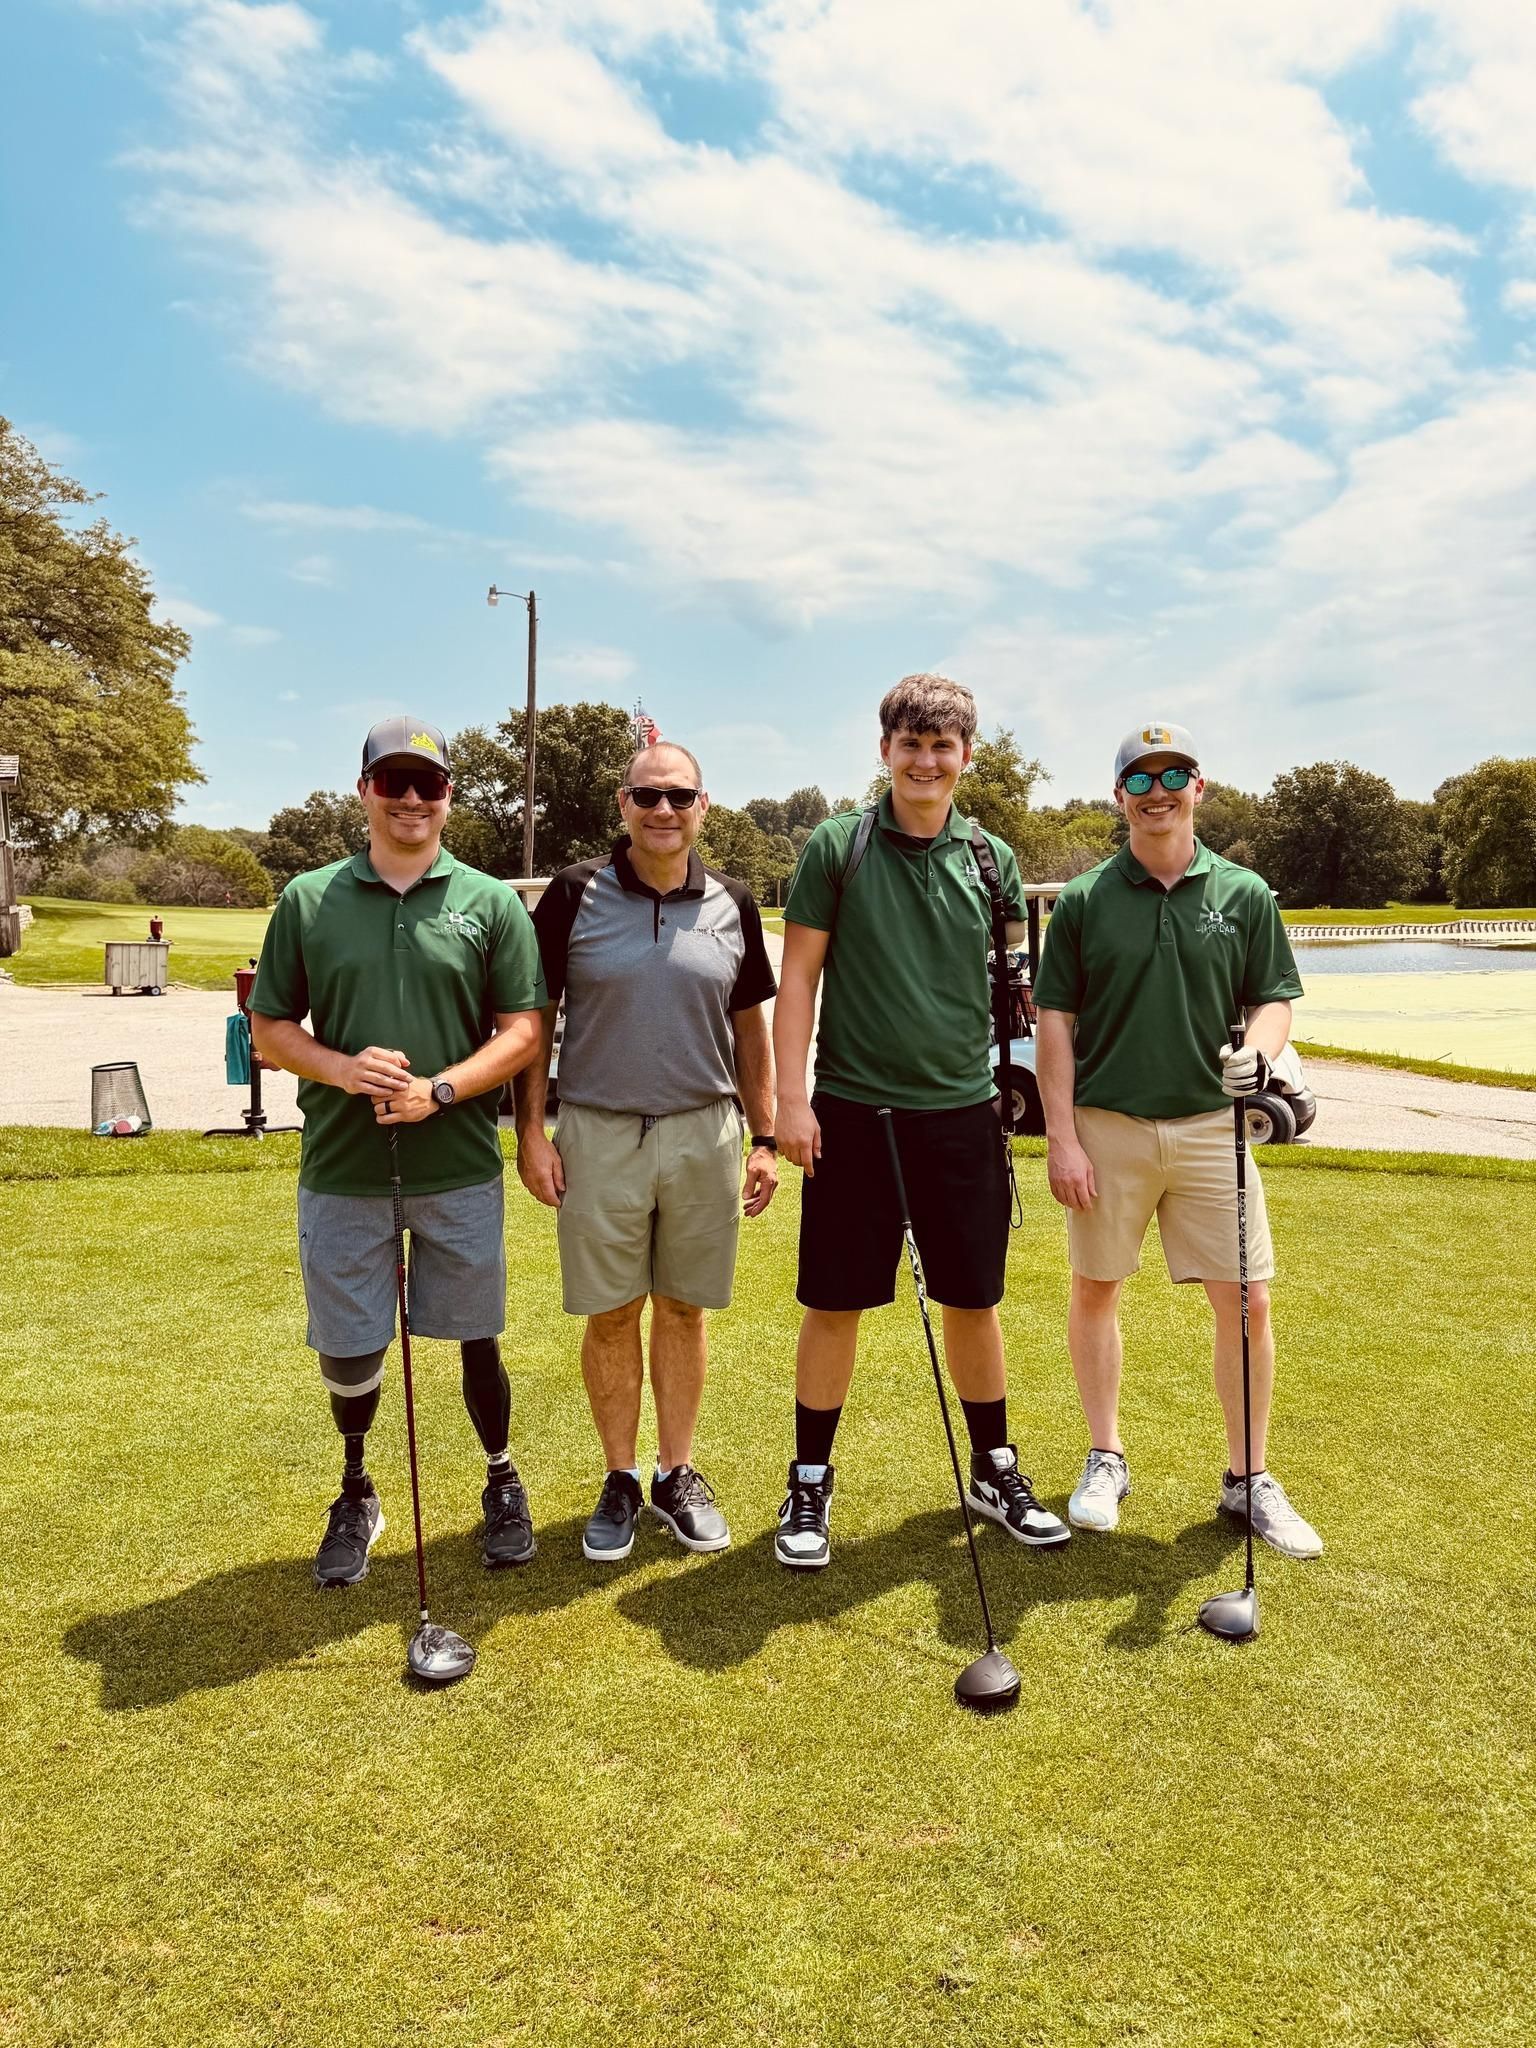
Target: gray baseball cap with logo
{"points": [[1155, 739], [405, 739]]}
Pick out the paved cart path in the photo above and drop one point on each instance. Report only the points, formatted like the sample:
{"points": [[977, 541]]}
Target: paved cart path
{"points": [[51, 1038]]}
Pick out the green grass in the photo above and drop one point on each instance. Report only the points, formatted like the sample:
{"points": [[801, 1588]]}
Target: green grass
{"points": [[64, 941], [1397, 913], [1441, 1070], [698, 1801]]}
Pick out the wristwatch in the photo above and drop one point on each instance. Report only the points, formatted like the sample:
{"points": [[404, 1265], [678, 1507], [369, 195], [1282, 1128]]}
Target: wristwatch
{"points": [[443, 1094], [761, 1144]]}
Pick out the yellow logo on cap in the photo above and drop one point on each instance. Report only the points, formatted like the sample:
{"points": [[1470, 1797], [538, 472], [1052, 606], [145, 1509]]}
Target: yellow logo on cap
{"points": [[1156, 736], [422, 739]]}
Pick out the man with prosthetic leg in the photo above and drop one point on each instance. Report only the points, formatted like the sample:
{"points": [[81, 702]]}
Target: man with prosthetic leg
{"points": [[420, 979]]}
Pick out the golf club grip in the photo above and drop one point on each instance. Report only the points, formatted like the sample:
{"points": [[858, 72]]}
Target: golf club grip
{"points": [[1239, 1107], [889, 1122]]}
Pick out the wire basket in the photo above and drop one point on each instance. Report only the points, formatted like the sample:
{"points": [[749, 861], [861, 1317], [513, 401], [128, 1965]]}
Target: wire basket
{"points": [[118, 1107]]}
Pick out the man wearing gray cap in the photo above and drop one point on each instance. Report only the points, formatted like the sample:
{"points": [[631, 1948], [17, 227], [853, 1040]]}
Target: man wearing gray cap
{"points": [[421, 981], [1149, 958]]}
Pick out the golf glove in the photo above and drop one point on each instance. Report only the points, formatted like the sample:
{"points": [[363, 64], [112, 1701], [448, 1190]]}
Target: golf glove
{"points": [[1244, 1071]]}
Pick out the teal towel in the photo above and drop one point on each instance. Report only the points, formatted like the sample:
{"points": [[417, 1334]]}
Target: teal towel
{"points": [[237, 1050]]}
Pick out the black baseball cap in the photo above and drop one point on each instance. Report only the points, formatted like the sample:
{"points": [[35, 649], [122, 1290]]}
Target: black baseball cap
{"points": [[405, 739]]}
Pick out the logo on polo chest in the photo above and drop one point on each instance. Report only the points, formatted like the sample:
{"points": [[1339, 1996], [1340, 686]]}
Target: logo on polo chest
{"points": [[1212, 925], [466, 927]]}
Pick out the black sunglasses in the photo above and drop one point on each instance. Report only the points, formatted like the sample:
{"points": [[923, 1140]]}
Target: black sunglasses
{"points": [[1141, 780], [648, 799], [430, 784]]}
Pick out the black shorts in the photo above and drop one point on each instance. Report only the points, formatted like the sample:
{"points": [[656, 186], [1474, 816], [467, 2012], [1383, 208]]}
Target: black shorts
{"points": [[956, 1173]]}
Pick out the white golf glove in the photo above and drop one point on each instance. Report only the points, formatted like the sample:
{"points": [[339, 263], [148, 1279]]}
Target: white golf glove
{"points": [[1244, 1071]]}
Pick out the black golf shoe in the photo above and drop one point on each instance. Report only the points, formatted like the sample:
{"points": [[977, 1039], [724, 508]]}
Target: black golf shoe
{"points": [[1001, 1492], [609, 1536], [508, 1524], [803, 1542], [684, 1503], [355, 1524]]}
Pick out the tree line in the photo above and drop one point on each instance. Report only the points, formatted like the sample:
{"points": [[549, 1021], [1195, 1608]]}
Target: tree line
{"points": [[88, 699]]}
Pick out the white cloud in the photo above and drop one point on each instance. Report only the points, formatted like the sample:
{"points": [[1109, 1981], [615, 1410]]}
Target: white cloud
{"points": [[282, 746], [254, 636], [181, 611], [598, 668], [288, 697], [319, 570]]}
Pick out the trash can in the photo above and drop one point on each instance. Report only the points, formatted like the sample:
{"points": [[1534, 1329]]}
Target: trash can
{"points": [[139, 964], [118, 1107]]}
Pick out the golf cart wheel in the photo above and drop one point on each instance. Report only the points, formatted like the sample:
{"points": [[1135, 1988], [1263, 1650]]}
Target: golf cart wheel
{"points": [[1270, 1120], [1028, 1113], [1304, 1108]]}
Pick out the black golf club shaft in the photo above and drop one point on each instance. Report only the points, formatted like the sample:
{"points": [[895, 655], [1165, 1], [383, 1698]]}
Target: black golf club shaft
{"points": [[1240, 1128], [405, 1361], [938, 1377]]}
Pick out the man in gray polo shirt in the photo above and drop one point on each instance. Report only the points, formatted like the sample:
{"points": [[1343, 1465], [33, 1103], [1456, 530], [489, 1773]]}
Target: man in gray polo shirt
{"points": [[662, 965]]}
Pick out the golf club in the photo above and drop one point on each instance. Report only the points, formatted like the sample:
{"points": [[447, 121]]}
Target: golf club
{"points": [[990, 1685], [1235, 1616], [436, 1655]]}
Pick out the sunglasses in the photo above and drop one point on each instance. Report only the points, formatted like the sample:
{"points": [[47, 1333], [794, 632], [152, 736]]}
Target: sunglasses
{"points": [[648, 799], [1139, 782], [430, 784]]}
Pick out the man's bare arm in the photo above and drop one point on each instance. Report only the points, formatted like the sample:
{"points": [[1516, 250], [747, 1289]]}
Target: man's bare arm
{"points": [[283, 1041], [539, 1166], [794, 1015], [1068, 1167], [754, 1068]]}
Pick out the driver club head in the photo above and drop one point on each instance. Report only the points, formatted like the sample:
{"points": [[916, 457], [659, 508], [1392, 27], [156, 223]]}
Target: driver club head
{"points": [[989, 1686], [437, 1656], [1232, 1616]]}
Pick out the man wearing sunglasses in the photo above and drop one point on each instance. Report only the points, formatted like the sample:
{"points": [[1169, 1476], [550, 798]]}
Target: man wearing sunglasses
{"points": [[420, 978], [664, 973], [1149, 958]]}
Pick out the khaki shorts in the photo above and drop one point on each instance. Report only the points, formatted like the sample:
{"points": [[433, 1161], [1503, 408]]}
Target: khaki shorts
{"points": [[651, 1206], [1181, 1169]]}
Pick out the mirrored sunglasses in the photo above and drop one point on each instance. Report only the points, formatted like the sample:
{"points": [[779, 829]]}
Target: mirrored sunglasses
{"points": [[1140, 780], [648, 798]]}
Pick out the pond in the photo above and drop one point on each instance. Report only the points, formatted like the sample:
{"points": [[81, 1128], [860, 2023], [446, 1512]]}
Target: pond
{"points": [[1430, 999]]}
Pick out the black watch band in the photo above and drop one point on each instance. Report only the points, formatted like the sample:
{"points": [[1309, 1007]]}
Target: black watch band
{"points": [[443, 1094], [765, 1144]]}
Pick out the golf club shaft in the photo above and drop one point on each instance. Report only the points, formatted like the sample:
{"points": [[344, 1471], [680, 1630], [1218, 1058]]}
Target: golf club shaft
{"points": [[405, 1361], [938, 1376], [1240, 1128]]}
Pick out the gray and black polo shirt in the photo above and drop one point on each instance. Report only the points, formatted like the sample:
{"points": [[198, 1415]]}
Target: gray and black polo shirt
{"points": [[650, 983]]}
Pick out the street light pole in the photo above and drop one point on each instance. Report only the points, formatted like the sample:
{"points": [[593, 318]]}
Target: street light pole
{"points": [[531, 743]]}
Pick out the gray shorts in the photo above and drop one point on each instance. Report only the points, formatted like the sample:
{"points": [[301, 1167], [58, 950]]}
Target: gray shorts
{"points": [[652, 1206], [456, 1267]]}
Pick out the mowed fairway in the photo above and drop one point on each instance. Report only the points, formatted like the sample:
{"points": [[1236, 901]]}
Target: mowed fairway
{"points": [[703, 1801]]}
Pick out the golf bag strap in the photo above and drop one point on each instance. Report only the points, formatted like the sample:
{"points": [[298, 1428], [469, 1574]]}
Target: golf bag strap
{"points": [[986, 862], [859, 846]]}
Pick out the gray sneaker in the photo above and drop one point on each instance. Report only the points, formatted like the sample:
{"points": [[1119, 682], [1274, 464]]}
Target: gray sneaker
{"points": [[1096, 1498], [1274, 1519], [609, 1535]]}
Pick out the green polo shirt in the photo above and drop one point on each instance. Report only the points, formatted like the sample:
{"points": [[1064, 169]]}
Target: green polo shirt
{"points": [[906, 1002], [425, 972], [1155, 977]]}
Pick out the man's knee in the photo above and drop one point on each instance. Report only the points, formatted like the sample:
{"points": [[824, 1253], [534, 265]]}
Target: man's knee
{"points": [[1095, 1297], [612, 1323], [1226, 1298], [666, 1308]]}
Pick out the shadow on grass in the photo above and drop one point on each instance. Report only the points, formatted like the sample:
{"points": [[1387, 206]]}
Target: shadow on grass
{"points": [[723, 1610], [260, 1617], [710, 1613]]}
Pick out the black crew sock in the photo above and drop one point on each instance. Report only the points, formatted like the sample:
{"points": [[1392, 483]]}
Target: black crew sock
{"points": [[814, 1430], [987, 1422], [1230, 1478], [487, 1393]]}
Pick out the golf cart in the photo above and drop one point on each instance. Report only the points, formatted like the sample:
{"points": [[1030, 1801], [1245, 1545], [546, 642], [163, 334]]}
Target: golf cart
{"points": [[1281, 1114]]}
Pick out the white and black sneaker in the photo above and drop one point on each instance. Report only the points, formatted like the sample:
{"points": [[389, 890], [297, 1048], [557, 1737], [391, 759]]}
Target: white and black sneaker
{"points": [[355, 1524], [1001, 1492], [803, 1542]]}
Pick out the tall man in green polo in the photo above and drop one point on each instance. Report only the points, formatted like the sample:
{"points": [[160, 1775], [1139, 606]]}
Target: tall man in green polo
{"points": [[901, 954], [1149, 959], [421, 981]]}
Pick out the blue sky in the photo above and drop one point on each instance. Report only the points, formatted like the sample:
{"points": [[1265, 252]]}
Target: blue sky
{"points": [[1145, 358]]}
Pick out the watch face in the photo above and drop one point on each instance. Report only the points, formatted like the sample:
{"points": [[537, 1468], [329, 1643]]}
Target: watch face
{"points": [[442, 1092]]}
